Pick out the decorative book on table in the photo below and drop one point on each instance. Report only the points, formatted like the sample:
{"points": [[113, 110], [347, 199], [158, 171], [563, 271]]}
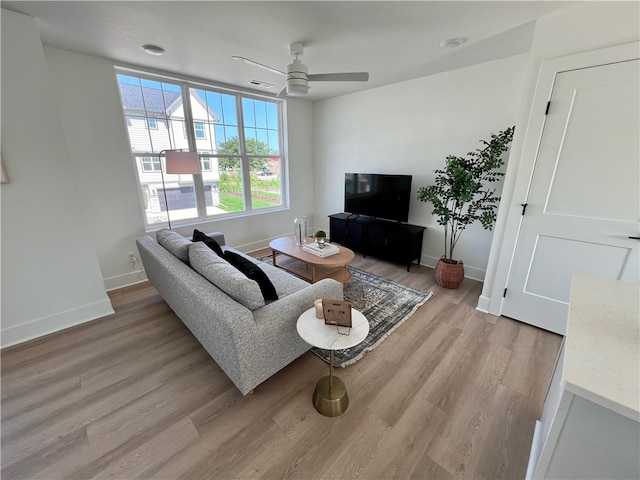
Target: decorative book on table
{"points": [[327, 251]]}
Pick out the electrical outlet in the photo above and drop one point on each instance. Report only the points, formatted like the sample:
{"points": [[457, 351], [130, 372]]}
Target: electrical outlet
{"points": [[133, 259]]}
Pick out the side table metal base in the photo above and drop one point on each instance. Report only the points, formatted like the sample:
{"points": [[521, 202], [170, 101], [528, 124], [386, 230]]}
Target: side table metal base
{"points": [[330, 396]]}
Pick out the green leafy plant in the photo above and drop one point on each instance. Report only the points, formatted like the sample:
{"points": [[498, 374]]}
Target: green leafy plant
{"points": [[462, 195], [320, 233]]}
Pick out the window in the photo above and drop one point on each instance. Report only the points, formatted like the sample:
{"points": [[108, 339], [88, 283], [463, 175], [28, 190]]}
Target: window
{"points": [[150, 164], [237, 135], [199, 129]]}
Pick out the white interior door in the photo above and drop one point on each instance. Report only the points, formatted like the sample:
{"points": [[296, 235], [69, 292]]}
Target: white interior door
{"points": [[583, 202]]}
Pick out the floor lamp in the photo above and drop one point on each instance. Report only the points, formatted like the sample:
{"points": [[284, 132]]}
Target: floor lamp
{"points": [[177, 162]]}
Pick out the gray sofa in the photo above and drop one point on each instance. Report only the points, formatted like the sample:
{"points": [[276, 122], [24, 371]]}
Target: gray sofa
{"points": [[249, 341]]}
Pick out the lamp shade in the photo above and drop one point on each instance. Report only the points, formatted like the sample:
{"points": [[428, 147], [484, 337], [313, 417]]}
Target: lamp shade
{"points": [[183, 162]]}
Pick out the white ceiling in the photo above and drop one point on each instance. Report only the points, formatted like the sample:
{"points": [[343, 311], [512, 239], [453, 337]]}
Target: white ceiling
{"points": [[394, 40]]}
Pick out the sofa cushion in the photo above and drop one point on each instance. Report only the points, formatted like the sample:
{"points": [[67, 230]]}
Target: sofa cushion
{"points": [[199, 236], [225, 276], [175, 243], [254, 272]]}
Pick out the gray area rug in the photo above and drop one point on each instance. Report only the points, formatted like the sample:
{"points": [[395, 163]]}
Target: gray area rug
{"points": [[385, 303]]}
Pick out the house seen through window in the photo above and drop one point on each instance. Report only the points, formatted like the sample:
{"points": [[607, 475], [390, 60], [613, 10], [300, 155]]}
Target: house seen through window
{"points": [[238, 137]]}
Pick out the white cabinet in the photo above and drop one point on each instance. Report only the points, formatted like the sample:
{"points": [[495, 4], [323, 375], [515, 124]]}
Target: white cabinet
{"points": [[590, 423]]}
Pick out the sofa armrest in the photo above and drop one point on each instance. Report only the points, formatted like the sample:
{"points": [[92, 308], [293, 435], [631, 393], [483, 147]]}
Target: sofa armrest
{"points": [[274, 341], [217, 236]]}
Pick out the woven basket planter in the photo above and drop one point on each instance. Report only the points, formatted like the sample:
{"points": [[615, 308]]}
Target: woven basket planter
{"points": [[449, 275]]}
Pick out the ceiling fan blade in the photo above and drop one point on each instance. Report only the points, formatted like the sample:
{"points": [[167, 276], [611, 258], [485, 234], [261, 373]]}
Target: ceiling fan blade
{"points": [[339, 77], [256, 64]]}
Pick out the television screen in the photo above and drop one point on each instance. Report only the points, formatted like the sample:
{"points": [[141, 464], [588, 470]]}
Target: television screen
{"points": [[378, 195]]}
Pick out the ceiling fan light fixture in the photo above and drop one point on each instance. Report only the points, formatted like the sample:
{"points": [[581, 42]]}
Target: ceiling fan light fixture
{"points": [[153, 49], [297, 74], [297, 82], [452, 42], [294, 89]]}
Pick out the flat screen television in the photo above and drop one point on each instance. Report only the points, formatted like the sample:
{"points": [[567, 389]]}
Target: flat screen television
{"points": [[378, 195]]}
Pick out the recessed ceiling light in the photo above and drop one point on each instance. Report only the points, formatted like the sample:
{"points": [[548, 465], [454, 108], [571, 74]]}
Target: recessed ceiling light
{"points": [[452, 42], [153, 49]]}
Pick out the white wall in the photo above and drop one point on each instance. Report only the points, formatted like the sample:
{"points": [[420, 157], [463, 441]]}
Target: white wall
{"points": [[583, 28], [50, 273], [410, 128], [87, 98], [72, 211]]}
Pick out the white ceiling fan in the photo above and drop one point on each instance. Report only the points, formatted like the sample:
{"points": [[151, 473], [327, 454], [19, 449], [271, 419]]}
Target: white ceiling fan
{"points": [[297, 74]]}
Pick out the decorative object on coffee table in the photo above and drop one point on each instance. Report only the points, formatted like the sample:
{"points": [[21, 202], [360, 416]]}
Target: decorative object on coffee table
{"points": [[300, 230], [337, 312], [461, 196], [330, 395], [321, 238], [324, 250]]}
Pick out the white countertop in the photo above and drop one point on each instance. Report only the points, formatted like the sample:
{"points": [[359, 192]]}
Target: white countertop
{"points": [[314, 331], [602, 347]]}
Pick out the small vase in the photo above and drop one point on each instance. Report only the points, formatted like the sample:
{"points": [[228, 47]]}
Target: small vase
{"points": [[300, 230], [449, 274], [321, 241]]}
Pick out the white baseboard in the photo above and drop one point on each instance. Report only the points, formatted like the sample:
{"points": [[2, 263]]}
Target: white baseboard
{"points": [[126, 280], [54, 323], [470, 272], [253, 246], [483, 304]]}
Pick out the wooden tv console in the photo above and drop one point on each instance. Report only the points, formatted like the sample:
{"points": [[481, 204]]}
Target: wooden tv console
{"points": [[385, 239]]}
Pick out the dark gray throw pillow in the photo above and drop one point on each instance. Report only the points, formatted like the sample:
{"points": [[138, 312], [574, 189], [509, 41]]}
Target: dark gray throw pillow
{"points": [[198, 236], [254, 272]]}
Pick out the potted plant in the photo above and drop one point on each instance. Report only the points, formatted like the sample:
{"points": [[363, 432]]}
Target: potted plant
{"points": [[462, 195], [321, 238]]}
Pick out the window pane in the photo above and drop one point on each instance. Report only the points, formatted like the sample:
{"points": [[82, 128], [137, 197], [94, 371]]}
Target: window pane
{"points": [[261, 114], [155, 122], [262, 136], [274, 141], [265, 183], [272, 116], [214, 111], [230, 111], [248, 112], [261, 123], [224, 191], [230, 134]]}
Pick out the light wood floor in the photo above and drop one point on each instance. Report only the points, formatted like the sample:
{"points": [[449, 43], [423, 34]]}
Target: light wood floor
{"points": [[453, 393]]}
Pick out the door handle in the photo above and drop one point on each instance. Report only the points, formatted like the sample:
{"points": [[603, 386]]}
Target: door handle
{"points": [[634, 238]]}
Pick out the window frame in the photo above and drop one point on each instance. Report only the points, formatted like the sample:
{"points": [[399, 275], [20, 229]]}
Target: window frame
{"points": [[197, 130], [239, 94], [153, 161]]}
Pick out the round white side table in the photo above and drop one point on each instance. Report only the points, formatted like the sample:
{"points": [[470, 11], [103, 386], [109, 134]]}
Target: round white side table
{"points": [[330, 396]]}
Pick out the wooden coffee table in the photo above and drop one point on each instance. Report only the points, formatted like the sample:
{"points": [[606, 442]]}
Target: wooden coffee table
{"points": [[314, 268]]}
